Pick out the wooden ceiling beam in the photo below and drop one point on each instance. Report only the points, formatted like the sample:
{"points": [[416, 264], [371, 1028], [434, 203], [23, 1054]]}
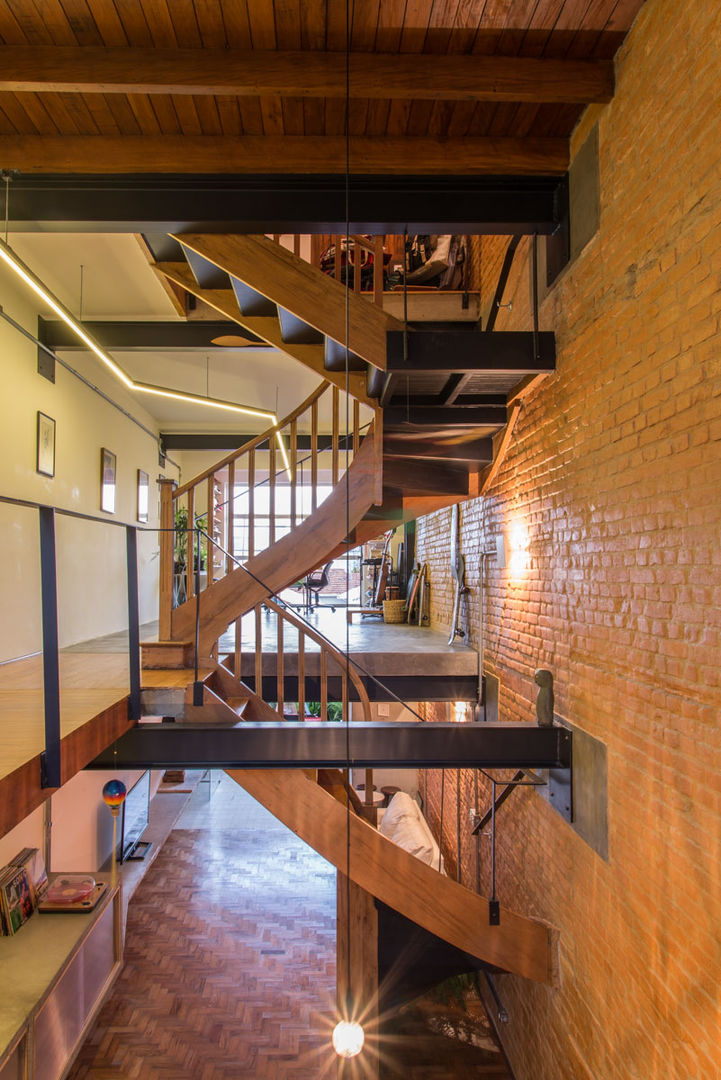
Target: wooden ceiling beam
{"points": [[93, 70], [284, 154]]}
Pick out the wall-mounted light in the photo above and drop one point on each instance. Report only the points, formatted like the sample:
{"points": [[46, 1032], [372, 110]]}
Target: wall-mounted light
{"points": [[460, 712], [15, 263], [348, 1038], [519, 543]]}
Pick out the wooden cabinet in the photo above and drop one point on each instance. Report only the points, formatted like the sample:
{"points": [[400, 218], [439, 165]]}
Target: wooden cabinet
{"points": [[55, 973]]}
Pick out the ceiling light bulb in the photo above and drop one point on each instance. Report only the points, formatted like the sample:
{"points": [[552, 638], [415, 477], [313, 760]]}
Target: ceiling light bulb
{"points": [[348, 1038]]}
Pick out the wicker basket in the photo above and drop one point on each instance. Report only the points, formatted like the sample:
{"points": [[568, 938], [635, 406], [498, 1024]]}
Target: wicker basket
{"points": [[394, 611]]}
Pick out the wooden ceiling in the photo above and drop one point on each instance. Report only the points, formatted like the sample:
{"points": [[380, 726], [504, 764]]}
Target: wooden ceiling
{"points": [[491, 86]]}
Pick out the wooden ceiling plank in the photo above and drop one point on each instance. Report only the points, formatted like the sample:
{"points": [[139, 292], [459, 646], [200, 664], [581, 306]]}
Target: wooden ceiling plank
{"points": [[251, 116], [261, 15], [56, 22], [82, 22], [61, 115], [517, 22], [398, 116], [460, 121], [11, 32], [377, 117], [108, 23], [144, 113], [293, 118], [134, 24], [209, 14], [229, 114], [335, 116], [102, 114], [287, 24], [237, 25], [365, 26], [22, 118], [313, 116], [208, 115], [185, 24], [33, 27], [419, 117], [465, 28], [7, 127], [187, 115], [336, 30], [440, 26], [313, 24], [257, 154], [124, 116], [415, 25], [164, 109], [161, 23], [540, 28], [490, 27], [271, 109], [296, 74], [358, 116], [390, 25]]}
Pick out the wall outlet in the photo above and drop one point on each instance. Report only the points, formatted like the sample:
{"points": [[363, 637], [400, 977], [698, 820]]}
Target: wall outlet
{"points": [[384, 708]]}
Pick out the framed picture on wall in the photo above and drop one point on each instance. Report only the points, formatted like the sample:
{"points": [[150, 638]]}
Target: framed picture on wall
{"points": [[107, 481], [143, 495], [46, 445]]}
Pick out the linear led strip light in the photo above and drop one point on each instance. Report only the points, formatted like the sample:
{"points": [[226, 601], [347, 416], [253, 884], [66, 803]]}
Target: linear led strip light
{"points": [[10, 259]]}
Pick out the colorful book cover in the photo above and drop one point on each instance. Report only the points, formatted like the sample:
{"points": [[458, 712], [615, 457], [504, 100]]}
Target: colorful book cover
{"points": [[17, 897], [31, 859]]}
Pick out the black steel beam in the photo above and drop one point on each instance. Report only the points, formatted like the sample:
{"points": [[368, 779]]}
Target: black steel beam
{"points": [[500, 353], [442, 417], [385, 688], [325, 745], [175, 203], [196, 335], [51, 765]]}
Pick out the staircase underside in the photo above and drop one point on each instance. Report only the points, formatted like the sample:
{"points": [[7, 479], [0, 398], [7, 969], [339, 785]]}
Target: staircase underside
{"points": [[417, 891]]}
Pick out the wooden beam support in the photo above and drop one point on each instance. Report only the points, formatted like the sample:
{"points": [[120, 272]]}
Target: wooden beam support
{"points": [[285, 154], [93, 70]]}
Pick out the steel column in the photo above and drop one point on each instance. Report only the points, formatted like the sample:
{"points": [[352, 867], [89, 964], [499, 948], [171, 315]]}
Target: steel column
{"points": [[50, 758]]}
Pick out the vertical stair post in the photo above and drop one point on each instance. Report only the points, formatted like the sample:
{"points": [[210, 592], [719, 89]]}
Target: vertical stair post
{"points": [[167, 546]]}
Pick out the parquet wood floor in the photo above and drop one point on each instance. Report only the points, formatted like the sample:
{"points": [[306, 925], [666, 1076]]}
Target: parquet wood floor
{"points": [[230, 962]]}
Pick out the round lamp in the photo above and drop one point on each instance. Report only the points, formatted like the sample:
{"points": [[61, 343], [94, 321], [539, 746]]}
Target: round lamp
{"points": [[348, 1039], [114, 793]]}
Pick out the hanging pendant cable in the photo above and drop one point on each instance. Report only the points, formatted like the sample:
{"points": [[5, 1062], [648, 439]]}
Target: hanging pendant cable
{"points": [[347, 478]]}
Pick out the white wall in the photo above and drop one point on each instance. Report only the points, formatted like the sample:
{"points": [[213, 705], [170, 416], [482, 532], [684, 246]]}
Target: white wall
{"points": [[91, 558]]}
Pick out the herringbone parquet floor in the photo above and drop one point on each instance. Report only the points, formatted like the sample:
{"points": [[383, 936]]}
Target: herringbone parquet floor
{"points": [[230, 960]]}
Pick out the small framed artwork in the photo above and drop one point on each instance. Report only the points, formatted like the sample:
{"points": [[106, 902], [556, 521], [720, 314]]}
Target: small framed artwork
{"points": [[143, 495], [107, 481], [46, 445]]}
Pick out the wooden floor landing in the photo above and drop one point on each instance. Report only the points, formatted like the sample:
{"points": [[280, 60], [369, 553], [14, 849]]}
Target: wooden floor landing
{"points": [[94, 688]]}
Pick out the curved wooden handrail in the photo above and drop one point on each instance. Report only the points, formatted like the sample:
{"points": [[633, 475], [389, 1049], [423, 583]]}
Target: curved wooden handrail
{"points": [[254, 443], [340, 658], [436, 902]]}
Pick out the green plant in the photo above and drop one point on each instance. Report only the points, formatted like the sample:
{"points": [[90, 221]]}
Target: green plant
{"points": [[335, 710], [180, 553]]}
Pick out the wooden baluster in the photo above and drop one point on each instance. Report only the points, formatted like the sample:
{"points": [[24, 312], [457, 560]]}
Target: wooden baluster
{"points": [[167, 568], [369, 787], [357, 262], [378, 455], [301, 675], [280, 666], [378, 270], [293, 471], [334, 437], [271, 491], [190, 547], [344, 695], [259, 651], [251, 504], [210, 529], [323, 684], [276, 237], [229, 512], [314, 457], [336, 244], [296, 244], [238, 652], [356, 426]]}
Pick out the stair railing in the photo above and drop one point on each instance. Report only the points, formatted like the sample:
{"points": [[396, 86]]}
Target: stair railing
{"points": [[203, 502], [287, 626], [375, 245]]}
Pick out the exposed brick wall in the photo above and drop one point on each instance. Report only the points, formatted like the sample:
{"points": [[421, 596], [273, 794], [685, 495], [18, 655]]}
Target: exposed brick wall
{"points": [[615, 474]]}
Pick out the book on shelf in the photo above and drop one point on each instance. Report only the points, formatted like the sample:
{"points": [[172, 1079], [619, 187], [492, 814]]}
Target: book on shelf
{"points": [[31, 859], [16, 898]]}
